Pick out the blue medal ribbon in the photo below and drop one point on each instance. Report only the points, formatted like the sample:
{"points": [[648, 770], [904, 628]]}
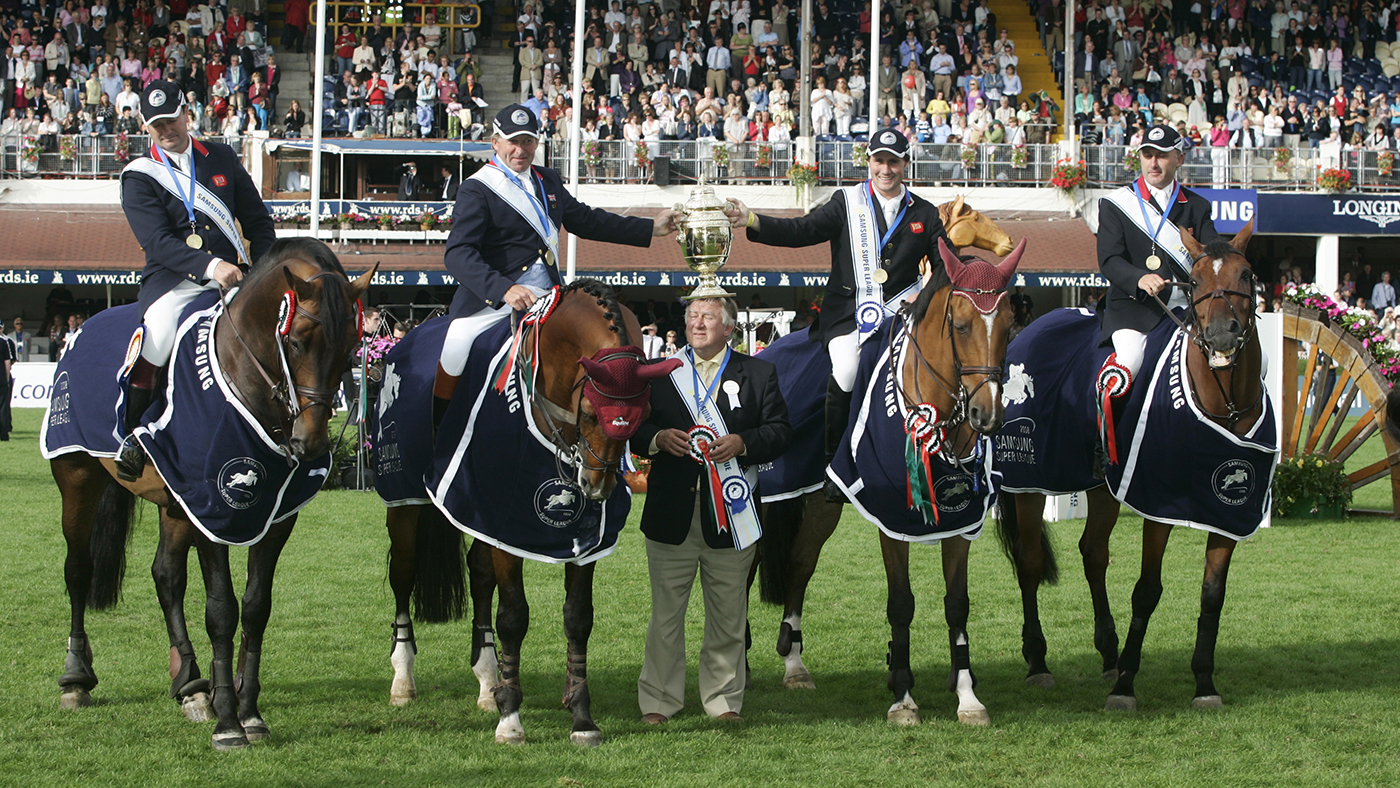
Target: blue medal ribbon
{"points": [[534, 201], [187, 200], [1142, 204], [695, 374]]}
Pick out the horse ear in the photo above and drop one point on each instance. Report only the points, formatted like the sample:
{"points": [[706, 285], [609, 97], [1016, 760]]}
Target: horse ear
{"points": [[296, 284], [661, 369], [1241, 240], [950, 260], [361, 283], [1194, 248]]}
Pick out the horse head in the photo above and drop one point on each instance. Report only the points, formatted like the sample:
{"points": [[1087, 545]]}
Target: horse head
{"points": [[592, 368], [1222, 295], [975, 322], [966, 227], [300, 329]]}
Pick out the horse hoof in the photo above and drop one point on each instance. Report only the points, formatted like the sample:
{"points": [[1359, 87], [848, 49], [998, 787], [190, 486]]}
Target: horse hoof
{"points": [[974, 717], [799, 680], [510, 737], [255, 729], [402, 698], [232, 740], [1110, 677], [1207, 702], [1042, 680], [74, 697], [487, 702], [586, 738], [1121, 703], [903, 716], [197, 708]]}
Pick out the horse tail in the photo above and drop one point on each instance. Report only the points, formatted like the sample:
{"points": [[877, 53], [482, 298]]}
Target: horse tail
{"points": [[111, 533], [781, 522], [440, 584], [1009, 531]]}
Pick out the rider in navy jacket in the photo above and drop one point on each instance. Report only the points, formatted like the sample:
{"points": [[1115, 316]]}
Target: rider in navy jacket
{"points": [[183, 258]]}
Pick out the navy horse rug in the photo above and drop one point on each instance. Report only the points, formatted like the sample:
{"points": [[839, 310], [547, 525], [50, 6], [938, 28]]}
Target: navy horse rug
{"points": [[492, 472], [803, 369], [231, 479], [871, 465]]}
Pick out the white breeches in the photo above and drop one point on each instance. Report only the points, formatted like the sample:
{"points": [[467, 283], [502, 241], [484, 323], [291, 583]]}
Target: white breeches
{"points": [[162, 321], [845, 359], [464, 330]]}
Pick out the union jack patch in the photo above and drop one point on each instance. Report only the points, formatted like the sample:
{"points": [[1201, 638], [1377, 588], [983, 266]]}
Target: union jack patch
{"points": [[917, 227], [220, 181]]}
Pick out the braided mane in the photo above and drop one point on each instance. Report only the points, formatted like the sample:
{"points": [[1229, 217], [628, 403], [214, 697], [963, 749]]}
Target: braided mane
{"points": [[607, 299]]}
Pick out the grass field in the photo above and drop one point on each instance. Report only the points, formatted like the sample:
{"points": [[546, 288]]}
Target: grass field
{"points": [[1306, 664]]}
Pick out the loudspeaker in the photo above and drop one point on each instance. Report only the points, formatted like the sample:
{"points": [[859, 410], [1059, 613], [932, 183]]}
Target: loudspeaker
{"points": [[661, 170]]}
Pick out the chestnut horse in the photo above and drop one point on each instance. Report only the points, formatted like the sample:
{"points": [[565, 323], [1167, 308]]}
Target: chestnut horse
{"points": [[97, 507], [425, 553], [796, 529], [1224, 365]]}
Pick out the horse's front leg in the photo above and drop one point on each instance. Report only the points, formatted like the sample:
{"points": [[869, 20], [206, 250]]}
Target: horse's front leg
{"points": [[1093, 547], [899, 609], [512, 622], [257, 610], [402, 524], [221, 622], [1219, 549], [818, 524], [170, 570], [1146, 594], [483, 590], [578, 625], [955, 609]]}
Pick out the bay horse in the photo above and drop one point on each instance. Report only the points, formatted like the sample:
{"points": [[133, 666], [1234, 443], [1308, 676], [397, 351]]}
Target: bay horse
{"points": [[796, 528], [942, 406], [97, 508], [426, 551], [1223, 361]]}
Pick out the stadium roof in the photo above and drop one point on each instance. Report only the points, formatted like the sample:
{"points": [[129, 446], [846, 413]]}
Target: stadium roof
{"points": [[393, 147]]}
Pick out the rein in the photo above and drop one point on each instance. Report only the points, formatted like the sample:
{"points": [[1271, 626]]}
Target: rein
{"points": [[1192, 328], [287, 392]]}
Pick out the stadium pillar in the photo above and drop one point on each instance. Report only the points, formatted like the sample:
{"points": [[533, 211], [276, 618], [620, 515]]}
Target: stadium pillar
{"points": [[318, 119], [575, 141], [1328, 258]]}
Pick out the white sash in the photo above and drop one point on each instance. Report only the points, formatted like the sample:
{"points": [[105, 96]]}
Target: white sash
{"points": [[515, 197], [864, 230], [1168, 239], [205, 201], [737, 484]]}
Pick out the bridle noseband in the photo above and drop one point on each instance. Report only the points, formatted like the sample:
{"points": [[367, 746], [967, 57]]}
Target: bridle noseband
{"points": [[1194, 330]]}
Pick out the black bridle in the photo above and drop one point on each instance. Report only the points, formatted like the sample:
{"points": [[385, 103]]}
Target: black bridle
{"points": [[955, 389], [1195, 331], [287, 392]]}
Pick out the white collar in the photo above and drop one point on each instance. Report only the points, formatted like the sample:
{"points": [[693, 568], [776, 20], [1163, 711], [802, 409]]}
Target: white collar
{"points": [[886, 203], [181, 160], [1160, 196]]}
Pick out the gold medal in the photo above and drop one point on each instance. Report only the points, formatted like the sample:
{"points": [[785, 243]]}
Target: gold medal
{"points": [[881, 275], [1154, 262], [194, 241], [549, 257]]}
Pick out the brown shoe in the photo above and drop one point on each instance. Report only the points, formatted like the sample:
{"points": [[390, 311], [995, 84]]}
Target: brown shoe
{"points": [[730, 716], [653, 718]]}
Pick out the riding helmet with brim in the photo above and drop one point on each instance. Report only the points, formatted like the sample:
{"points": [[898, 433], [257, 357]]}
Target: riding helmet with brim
{"points": [[889, 139], [516, 120], [160, 100]]}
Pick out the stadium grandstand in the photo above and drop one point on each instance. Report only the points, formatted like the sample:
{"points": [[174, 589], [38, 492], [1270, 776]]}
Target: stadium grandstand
{"points": [[1292, 110]]}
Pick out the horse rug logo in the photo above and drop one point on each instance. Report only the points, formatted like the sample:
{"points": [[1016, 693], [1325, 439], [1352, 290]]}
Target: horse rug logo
{"points": [[388, 388], [953, 493], [1020, 386], [1233, 481], [559, 503], [58, 401], [238, 482]]}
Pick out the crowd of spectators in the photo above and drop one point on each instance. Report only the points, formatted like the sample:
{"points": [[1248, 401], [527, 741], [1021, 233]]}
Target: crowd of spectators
{"points": [[78, 67], [1231, 73]]}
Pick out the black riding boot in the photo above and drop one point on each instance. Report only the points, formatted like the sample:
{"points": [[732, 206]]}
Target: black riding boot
{"points": [[131, 458], [838, 413], [444, 385]]}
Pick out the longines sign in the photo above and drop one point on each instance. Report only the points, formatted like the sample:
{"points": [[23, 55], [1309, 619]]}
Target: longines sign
{"points": [[1316, 214]]}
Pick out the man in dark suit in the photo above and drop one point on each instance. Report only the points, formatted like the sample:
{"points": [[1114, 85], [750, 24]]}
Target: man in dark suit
{"points": [[174, 197], [1137, 264], [870, 271], [690, 525], [503, 249], [410, 184], [451, 181]]}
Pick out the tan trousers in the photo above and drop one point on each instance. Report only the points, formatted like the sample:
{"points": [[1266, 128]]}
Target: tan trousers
{"points": [[724, 577]]}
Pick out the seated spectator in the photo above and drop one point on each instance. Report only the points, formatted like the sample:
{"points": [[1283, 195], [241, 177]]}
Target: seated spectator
{"points": [[294, 120], [128, 122]]}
